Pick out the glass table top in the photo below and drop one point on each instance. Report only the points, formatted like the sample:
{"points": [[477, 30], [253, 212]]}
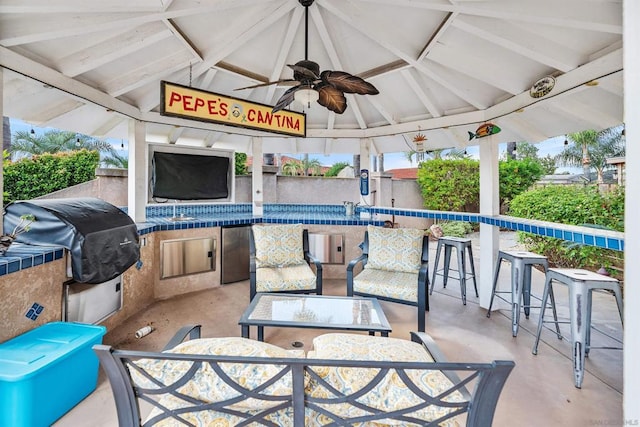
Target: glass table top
{"points": [[318, 310]]}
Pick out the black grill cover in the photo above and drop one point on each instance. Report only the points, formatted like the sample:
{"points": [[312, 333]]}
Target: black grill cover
{"points": [[102, 239]]}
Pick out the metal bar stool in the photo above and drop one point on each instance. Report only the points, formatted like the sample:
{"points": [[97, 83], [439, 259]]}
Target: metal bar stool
{"points": [[461, 244], [521, 264], [581, 284]]}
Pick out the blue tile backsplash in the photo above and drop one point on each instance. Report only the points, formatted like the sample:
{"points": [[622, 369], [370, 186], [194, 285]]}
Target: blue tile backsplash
{"points": [[21, 256]]}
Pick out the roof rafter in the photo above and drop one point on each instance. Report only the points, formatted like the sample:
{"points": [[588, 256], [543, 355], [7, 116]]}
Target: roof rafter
{"points": [[422, 96], [91, 22], [373, 35], [568, 16], [507, 36], [112, 49], [335, 60], [285, 47]]}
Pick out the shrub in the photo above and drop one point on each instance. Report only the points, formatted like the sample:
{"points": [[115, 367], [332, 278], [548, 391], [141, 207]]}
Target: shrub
{"points": [[456, 228], [241, 164], [43, 174], [335, 169], [450, 185], [516, 176], [454, 185], [576, 206]]}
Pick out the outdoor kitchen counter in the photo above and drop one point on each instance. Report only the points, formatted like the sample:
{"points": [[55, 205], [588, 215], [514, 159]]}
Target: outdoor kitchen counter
{"points": [[207, 221], [20, 256], [166, 217]]}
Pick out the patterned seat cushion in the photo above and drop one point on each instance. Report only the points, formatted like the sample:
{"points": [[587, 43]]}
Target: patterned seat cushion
{"points": [[278, 245], [394, 249], [292, 278], [391, 393], [393, 284], [207, 385]]}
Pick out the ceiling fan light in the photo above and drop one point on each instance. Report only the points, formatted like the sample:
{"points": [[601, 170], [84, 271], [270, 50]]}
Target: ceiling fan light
{"points": [[306, 96]]}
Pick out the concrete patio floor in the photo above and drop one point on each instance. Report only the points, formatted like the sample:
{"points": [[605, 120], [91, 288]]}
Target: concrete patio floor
{"points": [[539, 392]]}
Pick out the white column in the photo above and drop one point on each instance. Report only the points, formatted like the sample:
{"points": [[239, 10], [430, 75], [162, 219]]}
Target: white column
{"points": [[489, 205], [1, 160], [365, 163], [631, 62], [257, 188], [137, 174]]}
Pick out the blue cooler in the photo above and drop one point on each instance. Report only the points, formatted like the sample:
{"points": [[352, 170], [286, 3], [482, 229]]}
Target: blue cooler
{"points": [[47, 371]]}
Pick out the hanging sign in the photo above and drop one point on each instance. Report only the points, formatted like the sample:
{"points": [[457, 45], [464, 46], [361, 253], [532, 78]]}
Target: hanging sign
{"points": [[542, 87], [189, 103]]}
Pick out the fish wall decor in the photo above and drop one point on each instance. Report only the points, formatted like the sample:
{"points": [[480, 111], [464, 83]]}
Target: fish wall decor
{"points": [[483, 130]]}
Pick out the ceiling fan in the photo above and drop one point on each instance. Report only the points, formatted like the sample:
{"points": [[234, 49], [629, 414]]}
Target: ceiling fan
{"points": [[327, 87]]}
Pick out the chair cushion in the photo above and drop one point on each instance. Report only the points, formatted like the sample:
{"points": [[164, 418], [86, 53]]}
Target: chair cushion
{"points": [[392, 284], [395, 249], [207, 385], [278, 245], [391, 393], [297, 277]]}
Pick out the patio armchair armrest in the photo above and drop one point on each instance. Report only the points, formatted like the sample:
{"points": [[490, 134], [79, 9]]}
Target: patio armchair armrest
{"points": [[318, 265], [193, 331], [438, 356], [308, 256], [423, 283], [429, 345], [361, 259]]}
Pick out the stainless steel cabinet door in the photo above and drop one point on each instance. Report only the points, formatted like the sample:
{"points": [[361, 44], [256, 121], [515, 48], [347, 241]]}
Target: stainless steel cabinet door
{"points": [[186, 256]]}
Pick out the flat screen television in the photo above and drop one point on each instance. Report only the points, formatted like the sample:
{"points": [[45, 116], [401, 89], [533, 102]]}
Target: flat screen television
{"points": [[186, 176]]}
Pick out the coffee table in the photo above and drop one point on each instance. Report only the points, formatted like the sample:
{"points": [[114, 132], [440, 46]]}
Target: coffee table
{"points": [[314, 311]]}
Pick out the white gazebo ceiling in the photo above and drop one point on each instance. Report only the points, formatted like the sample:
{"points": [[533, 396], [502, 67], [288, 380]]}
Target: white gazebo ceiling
{"points": [[443, 67]]}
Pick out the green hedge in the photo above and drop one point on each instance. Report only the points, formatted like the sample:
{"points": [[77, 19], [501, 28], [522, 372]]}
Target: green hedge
{"points": [[450, 185], [30, 178], [575, 205], [241, 164], [454, 185]]}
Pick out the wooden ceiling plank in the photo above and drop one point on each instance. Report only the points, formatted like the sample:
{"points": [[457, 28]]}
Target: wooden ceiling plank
{"points": [[346, 16], [335, 60], [150, 72], [112, 49], [91, 22], [422, 96], [285, 47], [543, 51]]}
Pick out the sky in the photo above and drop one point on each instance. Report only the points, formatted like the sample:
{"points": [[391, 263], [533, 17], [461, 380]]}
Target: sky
{"points": [[551, 147]]}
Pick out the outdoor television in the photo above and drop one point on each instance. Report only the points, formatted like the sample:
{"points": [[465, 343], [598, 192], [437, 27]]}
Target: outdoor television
{"points": [[181, 173]]}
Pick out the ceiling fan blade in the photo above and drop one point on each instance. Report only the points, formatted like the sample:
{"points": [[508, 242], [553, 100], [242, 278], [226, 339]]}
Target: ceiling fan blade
{"points": [[266, 84], [286, 99], [331, 97], [305, 70], [348, 83]]}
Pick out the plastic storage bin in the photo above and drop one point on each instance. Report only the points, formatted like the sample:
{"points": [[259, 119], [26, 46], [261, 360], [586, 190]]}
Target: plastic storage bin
{"points": [[45, 372]]}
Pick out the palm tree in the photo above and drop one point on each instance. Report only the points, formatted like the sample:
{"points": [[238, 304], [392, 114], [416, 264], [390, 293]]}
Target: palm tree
{"points": [[292, 168], [456, 153], [26, 144], [311, 167], [420, 155], [115, 160], [590, 149]]}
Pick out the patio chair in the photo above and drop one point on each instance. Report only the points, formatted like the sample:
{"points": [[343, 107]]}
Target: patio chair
{"points": [[395, 268], [280, 260]]}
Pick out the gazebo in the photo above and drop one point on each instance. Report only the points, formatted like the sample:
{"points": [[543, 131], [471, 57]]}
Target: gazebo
{"points": [[532, 69]]}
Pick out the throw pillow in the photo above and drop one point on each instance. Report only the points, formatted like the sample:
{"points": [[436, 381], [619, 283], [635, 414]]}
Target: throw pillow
{"points": [[395, 249], [278, 245]]}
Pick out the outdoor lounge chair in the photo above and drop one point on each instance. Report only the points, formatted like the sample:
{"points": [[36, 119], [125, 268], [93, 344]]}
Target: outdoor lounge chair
{"points": [[280, 260], [395, 268]]}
